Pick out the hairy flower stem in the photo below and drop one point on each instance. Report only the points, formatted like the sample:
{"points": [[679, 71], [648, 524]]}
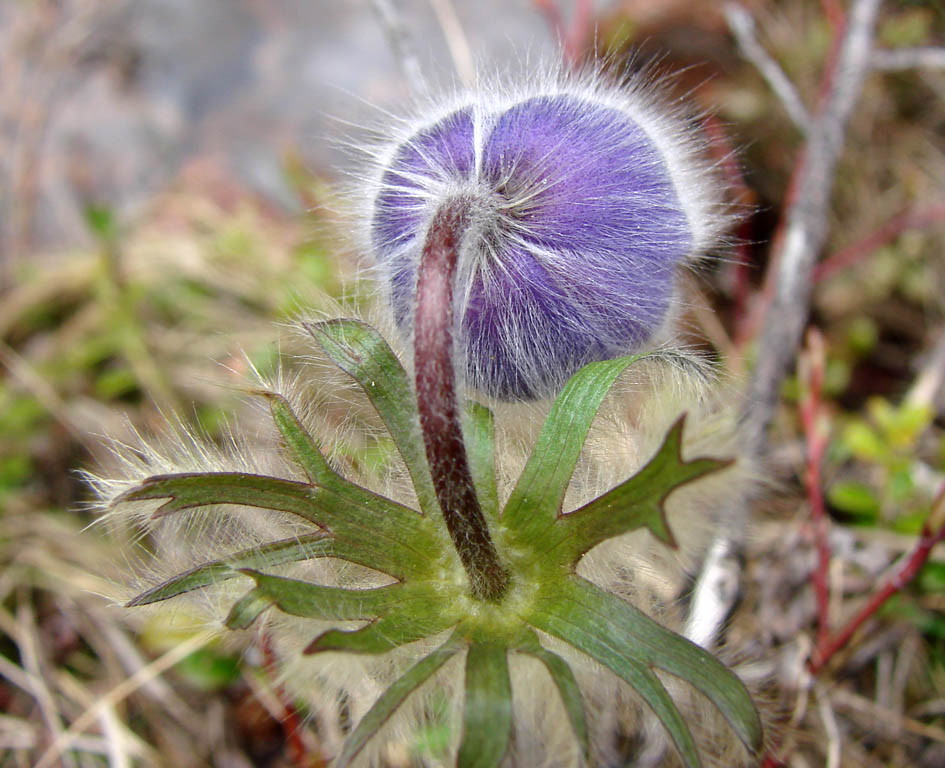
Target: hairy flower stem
{"points": [[438, 404]]}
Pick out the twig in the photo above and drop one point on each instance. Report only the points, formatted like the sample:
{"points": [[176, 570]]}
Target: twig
{"points": [[455, 41], [806, 227], [742, 195], [829, 720], [398, 37], [933, 531], [899, 59], [902, 222], [930, 382], [836, 16], [742, 27], [887, 720], [120, 692], [795, 253], [813, 420]]}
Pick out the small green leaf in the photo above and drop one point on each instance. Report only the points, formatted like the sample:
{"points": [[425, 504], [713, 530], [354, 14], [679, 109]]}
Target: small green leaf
{"points": [[635, 503], [480, 445], [568, 689], [265, 556], [536, 500], [487, 713], [856, 499], [362, 353], [624, 639], [864, 442], [393, 697]]}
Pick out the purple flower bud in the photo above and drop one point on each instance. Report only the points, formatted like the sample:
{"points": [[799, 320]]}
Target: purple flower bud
{"points": [[585, 203]]}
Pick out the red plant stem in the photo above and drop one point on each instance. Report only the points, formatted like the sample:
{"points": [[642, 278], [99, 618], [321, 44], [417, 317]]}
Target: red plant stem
{"points": [[910, 568], [552, 13], [836, 16], [798, 172], [438, 403], [572, 37], [721, 149], [846, 257], [298, 753], [580, 24], [812, 415]]}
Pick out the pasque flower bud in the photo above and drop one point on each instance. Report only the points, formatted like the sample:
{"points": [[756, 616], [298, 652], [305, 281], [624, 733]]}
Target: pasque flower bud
{"points": [[586, 201]]}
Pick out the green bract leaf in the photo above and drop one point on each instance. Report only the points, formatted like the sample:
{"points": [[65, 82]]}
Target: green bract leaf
{"points": [[424, 617], [480, 445], [623, 639], [369, 529], [568, 689], [487, 715], [536, 500], [313, 601], [247, 609], [362, 353], [300, 442], [393, 697], [265, 556], [635, 503]]}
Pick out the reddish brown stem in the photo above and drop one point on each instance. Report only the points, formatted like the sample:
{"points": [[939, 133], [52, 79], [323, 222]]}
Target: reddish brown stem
{"points": [[721, 149], [573, 36], [580, 24], [812, 414], [438, 404], [926, 217], [297, 751], [836, 16], [904, 575], [552, 13]]}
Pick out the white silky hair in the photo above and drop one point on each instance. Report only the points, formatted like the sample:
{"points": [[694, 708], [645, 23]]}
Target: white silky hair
{"points": [[642, 96]]}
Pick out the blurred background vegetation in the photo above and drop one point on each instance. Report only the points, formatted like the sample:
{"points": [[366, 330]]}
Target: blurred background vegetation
{"points": [[166, 170]]}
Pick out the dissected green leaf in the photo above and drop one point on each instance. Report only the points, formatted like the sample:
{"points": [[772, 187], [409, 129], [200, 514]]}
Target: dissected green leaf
{"points": [[314, 601], [189, 490], [568, 689], [422, 618], [369, 529], [480, 446], [654, 693], [393, 697], [300, 442], [487, 713], [362, 353], [265, 556], [617, 635], [635, 503], [536, 500], [247, 609]]}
